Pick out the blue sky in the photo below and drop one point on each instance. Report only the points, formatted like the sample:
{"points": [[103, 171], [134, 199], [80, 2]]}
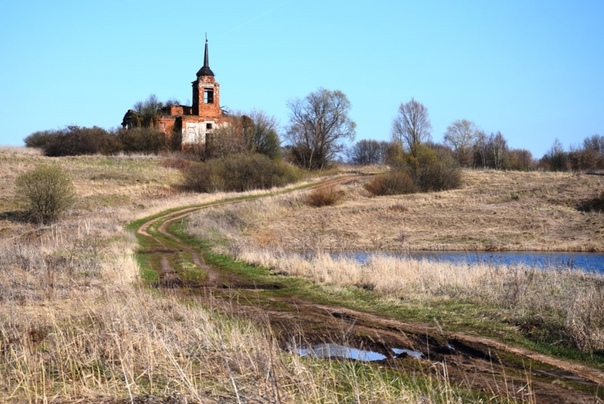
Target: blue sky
{"points": [[533, 70]]}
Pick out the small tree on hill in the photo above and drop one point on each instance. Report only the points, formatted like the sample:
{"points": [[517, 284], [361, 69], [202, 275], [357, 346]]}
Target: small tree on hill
{"points": [[411, 127], [48, 192], [266, 140], [367, 152], [462, 135], [319, 125]]}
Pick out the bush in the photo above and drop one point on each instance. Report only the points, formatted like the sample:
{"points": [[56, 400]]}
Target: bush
{"points": [[143, 140], [324, 196], [48, 192], [40, 139], [393, 183], [431, 171], [75, 141], [427, 171], [239, 172]]}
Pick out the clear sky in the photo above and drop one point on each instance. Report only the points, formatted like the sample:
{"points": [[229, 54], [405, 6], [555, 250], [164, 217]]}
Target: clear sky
{"points": [[532, 69]]}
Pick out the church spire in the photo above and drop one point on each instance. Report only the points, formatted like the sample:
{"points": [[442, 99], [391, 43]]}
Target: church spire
{"points": [[205, 70]]}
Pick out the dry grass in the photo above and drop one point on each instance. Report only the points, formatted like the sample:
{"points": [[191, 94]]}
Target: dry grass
{"points": [[485, 214], [528, 297], [324, 196], [494, 210], [76, 326]]}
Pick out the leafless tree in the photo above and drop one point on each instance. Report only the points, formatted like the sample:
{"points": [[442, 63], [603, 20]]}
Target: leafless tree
{"points": [[594, 143], [520, 159], [266, 139], [411, 126], [368, 152], [319, 125], [462, 135], [499, 149], [490, 151]]}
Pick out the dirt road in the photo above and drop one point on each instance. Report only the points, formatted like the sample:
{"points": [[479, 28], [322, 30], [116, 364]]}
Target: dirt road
{"points": [[497, 369]]}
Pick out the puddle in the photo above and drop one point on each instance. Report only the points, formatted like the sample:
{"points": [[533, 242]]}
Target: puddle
{"points": [[332, 350], [340, 351], [414, 354]]}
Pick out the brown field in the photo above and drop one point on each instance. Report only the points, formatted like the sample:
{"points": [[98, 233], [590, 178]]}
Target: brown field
{"points": [[76, 325], [493, 211]]}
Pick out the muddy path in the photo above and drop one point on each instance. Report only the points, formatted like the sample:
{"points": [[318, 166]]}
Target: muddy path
{"points": [[496, 369]]}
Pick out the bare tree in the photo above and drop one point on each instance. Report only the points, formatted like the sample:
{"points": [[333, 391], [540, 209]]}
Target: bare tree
{"points": [[462, 135], [490, 151], [411, 126], [367, 152], [499, 149], [319, 125], [594, 143], [520, 159], [265, 140], [556, 159]]}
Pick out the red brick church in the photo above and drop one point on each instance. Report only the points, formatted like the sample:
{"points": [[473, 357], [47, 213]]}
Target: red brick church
{"points": [[192, 124]]}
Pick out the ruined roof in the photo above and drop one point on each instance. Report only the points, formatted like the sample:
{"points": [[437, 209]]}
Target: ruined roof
{"points": [[205, 69]]}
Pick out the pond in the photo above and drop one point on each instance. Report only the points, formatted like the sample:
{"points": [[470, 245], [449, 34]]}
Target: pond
{"points": [[592, 262]]}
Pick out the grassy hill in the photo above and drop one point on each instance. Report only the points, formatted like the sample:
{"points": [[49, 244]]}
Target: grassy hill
{"points": [[77, 324]]}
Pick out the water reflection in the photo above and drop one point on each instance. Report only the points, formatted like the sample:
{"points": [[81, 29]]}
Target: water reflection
{"points": [[331, 350], [592, 262]]}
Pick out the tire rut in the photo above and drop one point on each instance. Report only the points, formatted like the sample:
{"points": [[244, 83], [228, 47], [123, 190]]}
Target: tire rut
{"points": [[476, 362]]}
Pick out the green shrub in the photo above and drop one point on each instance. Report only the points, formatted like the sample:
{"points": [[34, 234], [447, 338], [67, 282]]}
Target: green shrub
{"points": [[48, 192], [432, 171], [394, 156], [429, 170], [324, 196], [395, 182], [239, 172]]}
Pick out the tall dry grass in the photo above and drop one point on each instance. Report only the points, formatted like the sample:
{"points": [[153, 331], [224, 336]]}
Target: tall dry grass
{"points": [[553, 305], [76, 325], [99, 336]]}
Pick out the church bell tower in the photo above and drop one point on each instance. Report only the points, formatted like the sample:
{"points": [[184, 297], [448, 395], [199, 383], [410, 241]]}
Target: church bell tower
{"points": [[206, 91]]}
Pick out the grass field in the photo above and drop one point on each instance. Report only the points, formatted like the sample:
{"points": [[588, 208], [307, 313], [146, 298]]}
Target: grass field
{"points": [[493, 211], [78, 324]]}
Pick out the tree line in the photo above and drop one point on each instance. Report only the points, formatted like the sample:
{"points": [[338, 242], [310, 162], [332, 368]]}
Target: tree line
{"points": [[319, 133], [249, 155], [471, 147]]}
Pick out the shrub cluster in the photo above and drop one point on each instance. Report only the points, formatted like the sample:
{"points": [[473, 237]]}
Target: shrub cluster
{"points": [[588, 157], [324, 196], [425, 171], [75, 141], [47, 191], [393, 183], [239, 172], [142, 140]]}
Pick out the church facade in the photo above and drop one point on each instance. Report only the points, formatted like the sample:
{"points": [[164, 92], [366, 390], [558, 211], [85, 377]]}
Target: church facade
{"points": [[191, 126]]}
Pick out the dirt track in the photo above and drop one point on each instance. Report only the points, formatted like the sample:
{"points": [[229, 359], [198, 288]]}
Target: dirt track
{"points": [[478, 363]]}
